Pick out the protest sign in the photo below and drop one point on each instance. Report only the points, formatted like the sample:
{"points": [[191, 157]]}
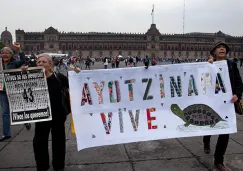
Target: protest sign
{"points": [[28, 95], [116, 106]]}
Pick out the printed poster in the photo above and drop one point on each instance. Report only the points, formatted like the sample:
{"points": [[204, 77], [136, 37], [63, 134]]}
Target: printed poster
{"points": [[115, 106], [28, 95]]}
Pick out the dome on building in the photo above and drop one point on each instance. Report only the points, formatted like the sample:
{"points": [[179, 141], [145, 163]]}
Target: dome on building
{"points": [[6, 37], [6, 33]]}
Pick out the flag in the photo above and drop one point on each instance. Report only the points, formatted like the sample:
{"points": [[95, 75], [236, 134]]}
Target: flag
{"points": [[152, 10]]}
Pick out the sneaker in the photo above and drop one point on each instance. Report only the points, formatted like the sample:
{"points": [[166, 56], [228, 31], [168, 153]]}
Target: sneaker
{"points": [[222, 167], [28, 126], [3, 138], [207, 149]]}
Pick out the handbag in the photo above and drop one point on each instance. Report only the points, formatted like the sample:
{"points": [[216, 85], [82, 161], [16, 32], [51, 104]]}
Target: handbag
{"points": [[238, 103], [238, 107], [65, 97]]}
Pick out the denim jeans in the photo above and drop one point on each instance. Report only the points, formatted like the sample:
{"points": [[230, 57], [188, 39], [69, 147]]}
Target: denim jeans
{"points": [[105, 66], [5, 113]]}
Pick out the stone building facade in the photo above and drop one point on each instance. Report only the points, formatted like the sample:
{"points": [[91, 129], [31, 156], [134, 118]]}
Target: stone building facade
{"points": [[151, 43], [6, 37]]}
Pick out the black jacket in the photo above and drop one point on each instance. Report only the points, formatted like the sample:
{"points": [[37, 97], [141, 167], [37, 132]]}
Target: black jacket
{"points": [[235, 79]]}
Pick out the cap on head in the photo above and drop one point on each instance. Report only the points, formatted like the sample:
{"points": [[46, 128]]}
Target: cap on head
{"points": [[217, 44]]}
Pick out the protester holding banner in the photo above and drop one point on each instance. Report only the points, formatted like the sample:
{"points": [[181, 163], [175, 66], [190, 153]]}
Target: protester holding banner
{"points": [[9, 62], [219, 52], [56, 82]]}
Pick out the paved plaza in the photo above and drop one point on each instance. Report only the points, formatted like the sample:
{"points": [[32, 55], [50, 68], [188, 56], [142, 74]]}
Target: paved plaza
{"points": [[183, 154]]}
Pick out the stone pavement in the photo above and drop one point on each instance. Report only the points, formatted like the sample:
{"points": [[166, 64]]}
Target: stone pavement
{"points": [[183, 154]]}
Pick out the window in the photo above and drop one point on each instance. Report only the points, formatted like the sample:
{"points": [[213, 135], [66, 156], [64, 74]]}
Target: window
{"points": [[161, 47], [144, 47], [165, 53]]}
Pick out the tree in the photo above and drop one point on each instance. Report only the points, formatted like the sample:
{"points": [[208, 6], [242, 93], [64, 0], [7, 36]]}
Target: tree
{"points": [[2, 45]]}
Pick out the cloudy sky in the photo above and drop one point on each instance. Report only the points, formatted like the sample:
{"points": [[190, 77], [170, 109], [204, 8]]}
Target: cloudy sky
{"points": [[122, 15]]}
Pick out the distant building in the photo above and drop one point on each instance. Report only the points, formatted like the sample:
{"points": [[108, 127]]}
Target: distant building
{"points": [[6, 37], [152, 43]]}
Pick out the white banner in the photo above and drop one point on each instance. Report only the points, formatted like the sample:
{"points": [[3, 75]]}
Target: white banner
{"points": [[28, 95], [116, 106]]}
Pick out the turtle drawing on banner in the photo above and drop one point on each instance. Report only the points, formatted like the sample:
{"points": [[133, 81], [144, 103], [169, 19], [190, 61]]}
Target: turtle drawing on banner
{"points": [[198, 115]]}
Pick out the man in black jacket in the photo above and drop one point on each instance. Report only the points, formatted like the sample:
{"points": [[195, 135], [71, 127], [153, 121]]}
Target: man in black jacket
{"points": [[219, 52]]}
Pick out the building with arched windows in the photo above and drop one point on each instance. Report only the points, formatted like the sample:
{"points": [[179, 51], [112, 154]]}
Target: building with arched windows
{"points": [[152, 43]]}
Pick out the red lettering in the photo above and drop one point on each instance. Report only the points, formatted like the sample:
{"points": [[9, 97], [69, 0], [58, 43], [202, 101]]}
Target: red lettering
{"points": [[150, 119]]}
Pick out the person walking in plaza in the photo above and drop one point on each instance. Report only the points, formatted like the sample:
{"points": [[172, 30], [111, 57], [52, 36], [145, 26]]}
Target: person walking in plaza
{"points": [[126, 62], [241, 61], [146, 62], [105, 62], [8, 62], [55, 82], [219, 52], [87, 63], [134, 61], [113, 64], [153, 61], [117, 60]]}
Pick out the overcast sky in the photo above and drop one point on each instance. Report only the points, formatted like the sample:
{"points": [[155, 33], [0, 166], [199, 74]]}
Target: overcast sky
{"points": [[122, 15]]}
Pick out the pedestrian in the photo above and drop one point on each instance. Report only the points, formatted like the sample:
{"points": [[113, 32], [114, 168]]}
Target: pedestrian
{"points": [[113, 65], [219, 52], [241, 61], [78, 63], [105, 62], [146, 62], [117, 62], [154, 61], [8, 62], [126, 61], [134, 62], [87, 63]]}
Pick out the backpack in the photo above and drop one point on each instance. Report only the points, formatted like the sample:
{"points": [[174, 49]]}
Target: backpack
{"points": [[146, 60]]}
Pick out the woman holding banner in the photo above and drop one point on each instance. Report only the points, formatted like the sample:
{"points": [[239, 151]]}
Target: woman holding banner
{"points": [[219, 52], [8, 62], [55, 82]]}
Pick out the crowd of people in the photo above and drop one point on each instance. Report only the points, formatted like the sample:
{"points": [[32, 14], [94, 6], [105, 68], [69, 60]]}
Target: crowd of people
{"points": [[57, 125]]}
